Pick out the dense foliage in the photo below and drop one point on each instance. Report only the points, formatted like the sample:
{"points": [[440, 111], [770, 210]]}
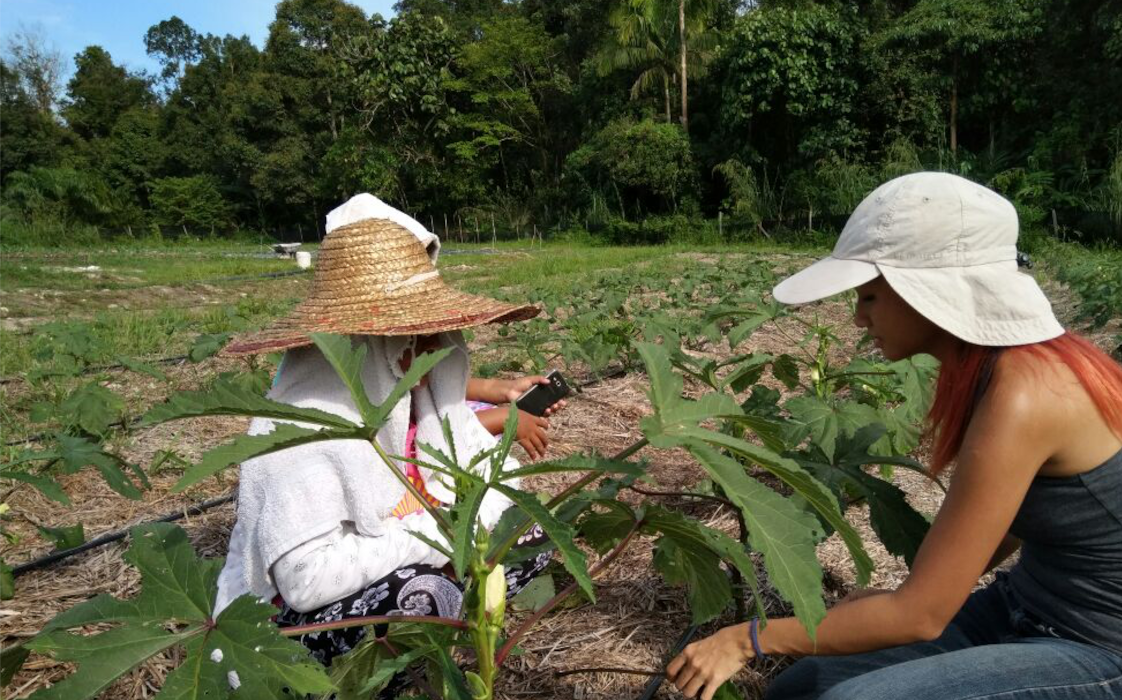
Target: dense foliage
{"points": [[776, 113]]}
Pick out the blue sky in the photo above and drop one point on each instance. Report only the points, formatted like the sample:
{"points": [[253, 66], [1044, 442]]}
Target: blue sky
{"points": [[118, 26]]}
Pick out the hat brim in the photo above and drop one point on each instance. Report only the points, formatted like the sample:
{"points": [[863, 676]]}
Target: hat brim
{"points": [[436, 309], [824, 278], [991, 305]]}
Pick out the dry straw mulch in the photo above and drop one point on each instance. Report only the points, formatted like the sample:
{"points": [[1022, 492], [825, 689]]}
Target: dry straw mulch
{"points": [[633, 625]]}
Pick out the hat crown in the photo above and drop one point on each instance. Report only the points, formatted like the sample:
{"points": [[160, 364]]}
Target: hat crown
{"points": [[372, 257], [930, 219]]}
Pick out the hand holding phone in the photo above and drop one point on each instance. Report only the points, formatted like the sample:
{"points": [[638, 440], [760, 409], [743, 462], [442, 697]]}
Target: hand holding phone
{"points": [[537, 399]]}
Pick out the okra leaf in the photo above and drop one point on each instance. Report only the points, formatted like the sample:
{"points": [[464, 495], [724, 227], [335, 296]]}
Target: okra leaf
{"points": [[241, 646], [224, 398], [784, 533], [243, 447], [559, 532]]}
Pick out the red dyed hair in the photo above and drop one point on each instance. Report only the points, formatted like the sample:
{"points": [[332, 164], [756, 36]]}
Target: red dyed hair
{"points": [[960, 387]]}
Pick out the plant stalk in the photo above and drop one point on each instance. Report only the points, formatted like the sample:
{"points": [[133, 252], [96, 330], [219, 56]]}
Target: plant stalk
{"points": [[441, 522], [529, 622], [297, 630], [631, 671], [413, 675], [553, 502]]}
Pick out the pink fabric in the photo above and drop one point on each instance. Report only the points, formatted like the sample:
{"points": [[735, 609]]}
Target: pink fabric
{"points": [[411, 470]]}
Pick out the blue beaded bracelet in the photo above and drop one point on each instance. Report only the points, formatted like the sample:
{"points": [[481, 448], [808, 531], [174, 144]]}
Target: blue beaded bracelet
{"points": [[754, 633]]}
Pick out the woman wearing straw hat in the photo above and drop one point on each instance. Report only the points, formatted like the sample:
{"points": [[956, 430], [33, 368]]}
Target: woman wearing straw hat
{"points": [[324, 530], [1032, 417]]}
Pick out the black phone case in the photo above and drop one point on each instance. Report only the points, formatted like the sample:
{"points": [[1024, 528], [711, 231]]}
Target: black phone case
{"points": [[540, 397]]}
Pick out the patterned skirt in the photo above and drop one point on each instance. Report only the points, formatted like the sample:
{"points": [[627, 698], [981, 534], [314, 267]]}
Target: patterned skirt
{"points": [[411, 590]]}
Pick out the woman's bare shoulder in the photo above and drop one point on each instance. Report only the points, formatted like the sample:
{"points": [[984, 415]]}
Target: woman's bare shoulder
{"points": [[1046, 397]]}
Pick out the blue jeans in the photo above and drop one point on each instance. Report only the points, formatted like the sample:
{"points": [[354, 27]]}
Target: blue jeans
{"points": [[992, 650]]}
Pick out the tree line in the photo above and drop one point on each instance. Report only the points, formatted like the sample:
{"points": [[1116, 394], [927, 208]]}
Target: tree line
{"points": [[637, 120]]}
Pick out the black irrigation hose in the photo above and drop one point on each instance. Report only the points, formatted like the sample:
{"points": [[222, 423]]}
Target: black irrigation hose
{"points": [[655, 683], [55, 557]]}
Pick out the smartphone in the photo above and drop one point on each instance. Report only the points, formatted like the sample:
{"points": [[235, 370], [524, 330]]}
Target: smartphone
{"points": [[540, 397]]}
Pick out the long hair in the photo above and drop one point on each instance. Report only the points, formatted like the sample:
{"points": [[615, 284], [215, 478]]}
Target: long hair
{"points": [[960, 387]]}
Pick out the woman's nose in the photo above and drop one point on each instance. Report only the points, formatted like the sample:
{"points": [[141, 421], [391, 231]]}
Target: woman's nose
{"points": [[860, 319]]}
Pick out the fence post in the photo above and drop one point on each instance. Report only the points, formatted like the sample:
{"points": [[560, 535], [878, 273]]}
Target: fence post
{"points": [[1055, 224], [721, 225], [494, 235]]}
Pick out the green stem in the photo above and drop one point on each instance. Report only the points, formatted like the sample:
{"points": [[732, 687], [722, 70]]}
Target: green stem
{"points": [[631, 671], [794, 343], [297, 630], [529, 622], [416, 677], [411, 488], [686, 494], [587, 479]]}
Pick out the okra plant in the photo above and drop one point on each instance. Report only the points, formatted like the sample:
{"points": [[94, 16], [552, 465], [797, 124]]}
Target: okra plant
{"points": [[241, 648]]}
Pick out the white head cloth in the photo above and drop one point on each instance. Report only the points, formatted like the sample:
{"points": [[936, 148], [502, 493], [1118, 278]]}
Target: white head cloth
{"points": [[289, 497], [367, 206]]}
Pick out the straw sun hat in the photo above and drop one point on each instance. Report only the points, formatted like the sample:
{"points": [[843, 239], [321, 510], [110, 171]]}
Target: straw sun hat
{"points": [[374, 277]]}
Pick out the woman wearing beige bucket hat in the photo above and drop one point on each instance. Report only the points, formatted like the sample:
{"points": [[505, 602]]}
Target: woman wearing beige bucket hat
{"points": [[1031, 416], [324, 530]]}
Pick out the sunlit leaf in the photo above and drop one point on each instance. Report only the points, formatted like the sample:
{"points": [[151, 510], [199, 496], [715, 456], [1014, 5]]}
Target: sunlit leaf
{"points": [[347, 357], [784, 533], [820, 498], [419, 368], [206, 345], [140, 367]]}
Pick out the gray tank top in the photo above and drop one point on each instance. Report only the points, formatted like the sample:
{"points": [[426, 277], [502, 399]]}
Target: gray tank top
{"points": [[1070, 571]]}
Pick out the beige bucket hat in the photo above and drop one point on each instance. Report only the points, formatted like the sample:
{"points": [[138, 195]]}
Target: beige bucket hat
{"points": [[375, 277], [948, 247]]}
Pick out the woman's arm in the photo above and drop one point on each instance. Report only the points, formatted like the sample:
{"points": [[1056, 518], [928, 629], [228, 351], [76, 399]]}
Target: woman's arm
{"points": [[501, 391], [531, 432], [1007, 441]]}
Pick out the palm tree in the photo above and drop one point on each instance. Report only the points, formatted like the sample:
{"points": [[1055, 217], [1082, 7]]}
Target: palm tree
{"points": [[667, 39]]}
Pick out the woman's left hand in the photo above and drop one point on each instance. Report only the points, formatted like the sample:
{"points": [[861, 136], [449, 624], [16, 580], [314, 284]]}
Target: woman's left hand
{"points": [[704, 666], [501, 391]]}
